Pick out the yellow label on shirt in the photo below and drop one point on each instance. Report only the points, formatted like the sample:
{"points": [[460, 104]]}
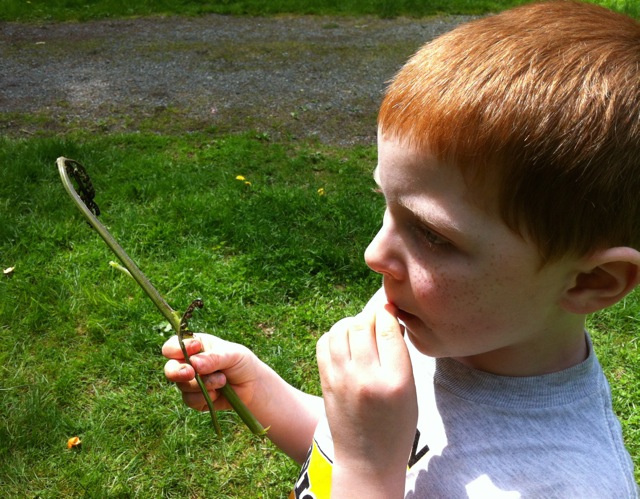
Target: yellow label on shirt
{"points": [[314, 481]]}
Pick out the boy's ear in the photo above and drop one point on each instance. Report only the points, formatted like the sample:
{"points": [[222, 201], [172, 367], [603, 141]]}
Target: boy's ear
{"points": [[604, 278]]}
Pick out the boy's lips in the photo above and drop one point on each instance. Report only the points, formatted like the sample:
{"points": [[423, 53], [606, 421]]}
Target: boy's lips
{"points": [[400, 313], [405, 316]]}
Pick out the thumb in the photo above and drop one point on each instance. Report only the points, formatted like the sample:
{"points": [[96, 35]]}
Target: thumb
{"points": [[220, 355], [171, 348]]}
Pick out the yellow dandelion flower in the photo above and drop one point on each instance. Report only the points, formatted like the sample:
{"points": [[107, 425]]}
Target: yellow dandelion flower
{"points": [[73, 442], [321, 191], [240, 177]]}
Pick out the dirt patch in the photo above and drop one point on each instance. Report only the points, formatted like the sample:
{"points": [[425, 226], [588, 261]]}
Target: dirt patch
{"points": [[283, 76]]}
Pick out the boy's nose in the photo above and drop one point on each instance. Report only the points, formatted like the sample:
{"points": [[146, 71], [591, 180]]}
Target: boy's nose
{"points": [[382, 257]]}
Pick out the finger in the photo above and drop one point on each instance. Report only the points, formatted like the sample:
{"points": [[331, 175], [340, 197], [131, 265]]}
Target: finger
{"points": [[375, 302], [338, 341], [392, 349], [362, 342], [322, 351], [196, 400], [192, 395], [324, 357], [177, 372], [171, 348], [209, 362], [212, 382]]}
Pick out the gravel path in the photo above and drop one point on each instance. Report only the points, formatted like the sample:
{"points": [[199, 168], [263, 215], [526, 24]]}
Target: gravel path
{"points": [[284, 76]]}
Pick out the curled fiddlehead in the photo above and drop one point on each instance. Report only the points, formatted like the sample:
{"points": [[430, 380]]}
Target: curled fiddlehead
{"points": [[87, 192], [184, 322]]}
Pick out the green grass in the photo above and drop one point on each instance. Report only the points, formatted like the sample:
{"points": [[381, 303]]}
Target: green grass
{"points": [[276, 263], [63, 10], [617, 343]]}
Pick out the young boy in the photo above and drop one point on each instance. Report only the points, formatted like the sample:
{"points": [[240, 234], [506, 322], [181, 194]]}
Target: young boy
{"points": [[509, 155]]}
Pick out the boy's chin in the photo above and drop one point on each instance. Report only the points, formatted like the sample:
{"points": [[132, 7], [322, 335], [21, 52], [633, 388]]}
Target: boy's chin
{"points": [[423, 341], [418, 341]]}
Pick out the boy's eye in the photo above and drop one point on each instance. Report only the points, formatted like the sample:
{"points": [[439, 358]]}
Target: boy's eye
{"points": [[432, 237]]}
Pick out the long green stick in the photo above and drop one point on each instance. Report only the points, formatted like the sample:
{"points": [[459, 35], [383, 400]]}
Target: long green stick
{"points": [[85, 203]]}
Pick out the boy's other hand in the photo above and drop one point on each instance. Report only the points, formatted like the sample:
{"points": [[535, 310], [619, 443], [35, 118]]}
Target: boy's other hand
{"points": [[369, 391], [217, 362]]}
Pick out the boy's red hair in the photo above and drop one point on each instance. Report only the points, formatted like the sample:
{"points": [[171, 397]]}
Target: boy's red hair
{"points": [[543, 101]]}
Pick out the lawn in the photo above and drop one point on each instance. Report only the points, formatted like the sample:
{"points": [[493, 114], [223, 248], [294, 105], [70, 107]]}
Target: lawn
{"points": [[276, 257], [276, 261]]}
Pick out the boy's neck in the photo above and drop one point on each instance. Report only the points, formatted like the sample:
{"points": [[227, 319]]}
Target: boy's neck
{"points": [[533, 359]]}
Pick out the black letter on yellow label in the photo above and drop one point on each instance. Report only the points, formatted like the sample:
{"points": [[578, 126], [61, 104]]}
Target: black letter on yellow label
{"points": [[416, 454]]}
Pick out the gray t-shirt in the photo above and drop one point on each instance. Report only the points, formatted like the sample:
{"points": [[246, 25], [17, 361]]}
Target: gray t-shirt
{"points": [[480, 435]]}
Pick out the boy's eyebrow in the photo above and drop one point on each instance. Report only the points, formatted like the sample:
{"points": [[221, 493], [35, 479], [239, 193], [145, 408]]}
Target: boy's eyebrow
{"points": [[439, 224], [432, 218]]}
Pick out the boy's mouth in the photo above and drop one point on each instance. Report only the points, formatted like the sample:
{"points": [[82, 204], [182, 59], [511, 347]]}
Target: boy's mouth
{"points": [[404, 316], [401, 314]]}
